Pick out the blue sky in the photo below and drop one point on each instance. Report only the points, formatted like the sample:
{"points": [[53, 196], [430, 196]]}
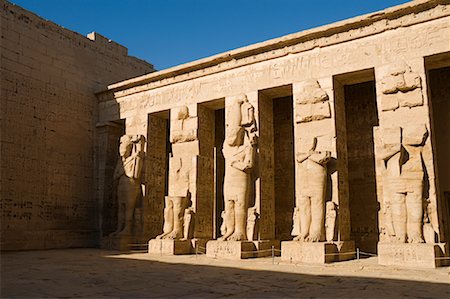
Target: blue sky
{"points": [[172, 32]]}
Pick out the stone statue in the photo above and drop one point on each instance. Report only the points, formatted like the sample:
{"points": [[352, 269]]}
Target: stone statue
{"points": [[239, 150], [188, 223], [252, 223], [296, 222], [127, 174], [330, 220], [183, 127], [313, 175], [404, 181], [178, 215]]}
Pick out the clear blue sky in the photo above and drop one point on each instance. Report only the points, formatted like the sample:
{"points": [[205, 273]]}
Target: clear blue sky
{"points": [[172, 32]]}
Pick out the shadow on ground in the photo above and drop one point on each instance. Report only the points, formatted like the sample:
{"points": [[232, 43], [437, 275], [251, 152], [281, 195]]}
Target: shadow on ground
{"points": [[90, 273]]}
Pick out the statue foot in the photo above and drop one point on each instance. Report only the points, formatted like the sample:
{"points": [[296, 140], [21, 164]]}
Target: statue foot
{"points": [[415, 239], [301, 238], [237, 237], [173, 235], [124, 232], [314, 237]]}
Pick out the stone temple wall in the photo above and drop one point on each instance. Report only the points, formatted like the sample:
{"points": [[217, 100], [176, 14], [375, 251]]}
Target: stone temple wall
{"points": [[48, 117], [367, 141]]}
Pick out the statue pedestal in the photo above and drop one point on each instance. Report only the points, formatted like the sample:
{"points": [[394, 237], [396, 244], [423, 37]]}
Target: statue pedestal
{"points": [[317, 252], [236, 250], [122, 242], [170, 247], [418, 255]]}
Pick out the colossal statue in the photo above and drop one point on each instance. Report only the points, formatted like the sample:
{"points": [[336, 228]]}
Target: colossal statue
{"points": [[312, 171], [403, 183], [127, 176], [239, 150], [177, 213]]}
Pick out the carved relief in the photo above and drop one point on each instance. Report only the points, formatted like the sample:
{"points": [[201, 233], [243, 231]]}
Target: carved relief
{"points": [[127, 176], [330, 221], [312, 172], [252, 223], [403, 182], [401, 88], [239, 151], [312, 102]]}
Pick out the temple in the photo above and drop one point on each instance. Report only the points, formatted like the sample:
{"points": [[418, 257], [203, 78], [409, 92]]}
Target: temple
{"points": [[319, 144]]}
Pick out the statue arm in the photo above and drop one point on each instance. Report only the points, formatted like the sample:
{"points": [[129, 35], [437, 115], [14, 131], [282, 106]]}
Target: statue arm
{"points": [[300, 157], [248, 162], [320, 157]]}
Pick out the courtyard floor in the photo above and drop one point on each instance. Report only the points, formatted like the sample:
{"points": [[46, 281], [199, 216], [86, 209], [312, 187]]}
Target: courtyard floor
{"points": [[95, 273]]}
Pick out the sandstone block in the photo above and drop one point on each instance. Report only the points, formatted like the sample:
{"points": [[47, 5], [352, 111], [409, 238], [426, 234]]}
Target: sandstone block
{"points": [[419, 255], [169, 247], [237, 249], [317, 252]]}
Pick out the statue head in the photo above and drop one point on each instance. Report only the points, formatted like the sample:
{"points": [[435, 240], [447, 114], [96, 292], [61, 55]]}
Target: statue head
{"points": [[183, 113], [125, 146]]}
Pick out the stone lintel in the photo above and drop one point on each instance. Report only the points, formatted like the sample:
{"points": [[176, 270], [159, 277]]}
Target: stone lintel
{"points": [[317, 252], [170, 247], [422, 255], [236, 250]]}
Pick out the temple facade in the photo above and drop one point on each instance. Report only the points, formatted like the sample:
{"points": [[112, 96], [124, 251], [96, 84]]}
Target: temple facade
{"points": [[317, 143]]}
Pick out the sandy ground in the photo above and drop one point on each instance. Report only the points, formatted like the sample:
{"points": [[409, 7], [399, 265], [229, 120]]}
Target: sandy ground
{"points": [[94, 273]]}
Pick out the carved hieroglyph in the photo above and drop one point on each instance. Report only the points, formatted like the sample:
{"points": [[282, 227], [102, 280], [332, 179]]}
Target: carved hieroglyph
{"points": [[312, 171], [178, 215], [403, 182], [127, 176], [401, 88], [313, 102], [239, 151]]}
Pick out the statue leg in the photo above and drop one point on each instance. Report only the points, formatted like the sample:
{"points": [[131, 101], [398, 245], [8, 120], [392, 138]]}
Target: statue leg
{"points": [[240, 219], [317, 216], [130, 205], [120, 218], [168, 217], [398, 209], [228, 220], [305, 217], [414, 210], [179, 205]]}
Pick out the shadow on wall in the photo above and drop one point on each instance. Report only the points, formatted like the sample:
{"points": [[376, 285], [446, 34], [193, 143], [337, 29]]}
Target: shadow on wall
{"points": [[91, 273]]}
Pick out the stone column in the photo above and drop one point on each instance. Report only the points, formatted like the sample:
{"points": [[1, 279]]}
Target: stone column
{"points": [[410, 220], [265, 170], [321, 215], [188, 208]]}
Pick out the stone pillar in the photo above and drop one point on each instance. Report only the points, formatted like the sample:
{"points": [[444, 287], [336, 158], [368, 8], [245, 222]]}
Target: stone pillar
{"points": [[410, 220], [204, 202], [155, 174], [320, 215], [245, 179], [188, 209], [265, 171]]}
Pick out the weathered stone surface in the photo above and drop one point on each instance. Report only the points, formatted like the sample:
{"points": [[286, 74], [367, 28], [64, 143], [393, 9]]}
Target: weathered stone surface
{"points": [[237, 249], [170, 247], [53, 192], [410, 255], [317, 252]]}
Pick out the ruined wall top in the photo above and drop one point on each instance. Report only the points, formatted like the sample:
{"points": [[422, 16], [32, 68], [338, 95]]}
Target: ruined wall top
{"points": [[407, 14]]}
